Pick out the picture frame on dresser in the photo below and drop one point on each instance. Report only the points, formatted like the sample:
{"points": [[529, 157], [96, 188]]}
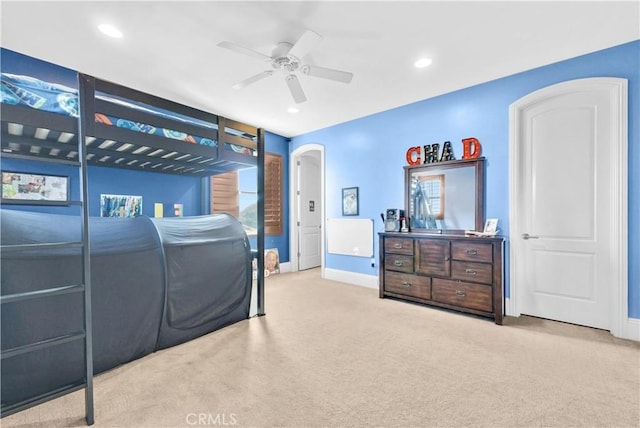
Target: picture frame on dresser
{"points": [[491, 226]]}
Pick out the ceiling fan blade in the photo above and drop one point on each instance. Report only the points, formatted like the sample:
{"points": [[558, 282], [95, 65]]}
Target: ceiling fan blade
{"points": [[245, 51], [296, 90], [252, 79], [305, 44], [327, 73]]}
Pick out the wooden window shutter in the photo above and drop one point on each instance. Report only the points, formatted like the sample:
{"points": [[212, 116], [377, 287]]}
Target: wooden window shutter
{"points": [[272, 194], [225, 194]]}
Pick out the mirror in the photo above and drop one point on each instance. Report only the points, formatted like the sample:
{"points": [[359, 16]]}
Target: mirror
{"points": [[445, 196]]}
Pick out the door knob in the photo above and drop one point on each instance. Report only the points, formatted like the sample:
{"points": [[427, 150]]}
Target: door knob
{"points": [[527, 236]]}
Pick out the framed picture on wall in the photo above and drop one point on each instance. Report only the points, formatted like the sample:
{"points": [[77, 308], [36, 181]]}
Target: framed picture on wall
{"points": [[34, 189], [350, 201], [120, 206]]}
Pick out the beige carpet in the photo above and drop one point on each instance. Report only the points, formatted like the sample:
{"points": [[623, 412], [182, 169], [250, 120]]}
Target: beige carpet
{"points": [[329, 354]]}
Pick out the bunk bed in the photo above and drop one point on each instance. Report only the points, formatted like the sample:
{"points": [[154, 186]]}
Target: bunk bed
{"points": [[125, 128], [105, 124]]}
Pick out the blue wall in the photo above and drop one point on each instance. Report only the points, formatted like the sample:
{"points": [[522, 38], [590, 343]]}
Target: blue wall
{"points": [[370, 152], [153, 187]]}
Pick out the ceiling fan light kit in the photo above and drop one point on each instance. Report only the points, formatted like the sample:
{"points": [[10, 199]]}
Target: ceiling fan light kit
{"points": [[287, 58]]}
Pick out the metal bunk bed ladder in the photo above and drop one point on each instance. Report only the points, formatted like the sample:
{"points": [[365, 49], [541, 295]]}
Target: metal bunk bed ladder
{"points": [[85, 334]]}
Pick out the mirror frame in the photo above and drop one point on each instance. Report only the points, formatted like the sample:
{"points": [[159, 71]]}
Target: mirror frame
{"points": [[477, 163]]}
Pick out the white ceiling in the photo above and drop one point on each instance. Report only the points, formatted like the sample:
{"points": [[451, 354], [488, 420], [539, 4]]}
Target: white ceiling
{"points": [[169, 48]]}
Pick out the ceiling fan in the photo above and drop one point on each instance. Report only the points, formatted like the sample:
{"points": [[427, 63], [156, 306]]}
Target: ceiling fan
{"points": [[287, 58]]}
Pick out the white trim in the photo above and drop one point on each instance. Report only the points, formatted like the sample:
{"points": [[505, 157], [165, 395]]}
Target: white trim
{"points": [[619, 211], [510, 308], [293, 209], [630, 328], [285, 267], [621, 325], [354, 278]]}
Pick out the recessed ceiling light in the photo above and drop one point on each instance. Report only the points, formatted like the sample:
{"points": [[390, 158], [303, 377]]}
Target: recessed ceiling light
{"points": [[422, 63], [293, 110], [110, 31]]}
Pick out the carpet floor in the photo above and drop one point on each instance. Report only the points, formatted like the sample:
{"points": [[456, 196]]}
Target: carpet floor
{"points": [[329, 354]]}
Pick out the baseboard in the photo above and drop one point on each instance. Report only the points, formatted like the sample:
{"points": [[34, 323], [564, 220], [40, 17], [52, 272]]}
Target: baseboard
{"points": [[630, 329], [369, 281], [285, 267], [509, 309]]}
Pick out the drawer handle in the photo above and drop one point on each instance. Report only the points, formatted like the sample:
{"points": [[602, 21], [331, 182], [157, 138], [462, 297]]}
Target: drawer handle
{"points": [[397, 262], [472, 252], [470, 271], [397, 245], [460, 293], [406, 284]]}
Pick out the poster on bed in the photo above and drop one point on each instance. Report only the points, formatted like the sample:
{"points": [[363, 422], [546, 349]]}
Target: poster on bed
{"points": [[120, 206]]}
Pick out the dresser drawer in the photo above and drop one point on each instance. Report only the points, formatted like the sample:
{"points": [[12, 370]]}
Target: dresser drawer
{"points": [[398, 246], [409, 285], [465, 294], [472, 251], [398, 263], [470, 271]]}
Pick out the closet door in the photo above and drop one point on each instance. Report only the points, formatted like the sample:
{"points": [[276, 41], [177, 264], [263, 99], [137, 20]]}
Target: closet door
{"points": [[566, 231]]}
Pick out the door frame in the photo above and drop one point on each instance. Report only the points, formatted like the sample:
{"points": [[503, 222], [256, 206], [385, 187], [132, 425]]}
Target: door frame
{"points": [[294, 206], [620, 324]]}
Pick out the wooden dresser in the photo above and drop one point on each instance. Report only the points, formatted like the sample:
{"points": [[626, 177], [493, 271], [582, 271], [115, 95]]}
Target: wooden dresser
{"points": [[450, 271]]}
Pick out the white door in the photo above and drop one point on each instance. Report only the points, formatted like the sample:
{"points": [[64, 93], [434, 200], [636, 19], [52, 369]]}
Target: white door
{"points": [[309, 211], [565, 231]]}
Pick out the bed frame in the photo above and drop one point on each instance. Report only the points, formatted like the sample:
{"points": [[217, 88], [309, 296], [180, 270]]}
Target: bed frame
{"points": [[81, 141], [50, 136]]}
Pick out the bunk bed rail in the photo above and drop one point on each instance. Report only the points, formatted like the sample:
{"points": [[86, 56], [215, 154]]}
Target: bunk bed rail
{"points": [[131, 129]]}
